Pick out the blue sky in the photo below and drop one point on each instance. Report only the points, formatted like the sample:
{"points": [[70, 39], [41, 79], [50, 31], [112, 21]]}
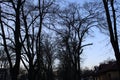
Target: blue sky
{"points": [[101, 49]]}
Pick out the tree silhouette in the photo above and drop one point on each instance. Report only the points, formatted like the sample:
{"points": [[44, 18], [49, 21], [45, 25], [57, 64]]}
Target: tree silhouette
{"points": [[15, 30], [112, 27], [73, 32]]}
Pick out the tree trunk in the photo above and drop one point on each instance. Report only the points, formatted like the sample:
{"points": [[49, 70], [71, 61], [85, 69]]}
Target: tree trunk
{"points": [[117, 55], [79, 69], [14, 73], [31, 75]]}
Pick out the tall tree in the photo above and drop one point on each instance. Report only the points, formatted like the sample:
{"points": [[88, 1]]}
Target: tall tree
{"points": [[34, 19], [29, 16], [72, 33], [112, 27], [13, 17], [48, 48]]}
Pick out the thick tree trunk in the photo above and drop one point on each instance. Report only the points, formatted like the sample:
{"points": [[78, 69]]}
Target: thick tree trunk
{"points": [[117, 55], [31, 71], [31, 75], [14, 73]]}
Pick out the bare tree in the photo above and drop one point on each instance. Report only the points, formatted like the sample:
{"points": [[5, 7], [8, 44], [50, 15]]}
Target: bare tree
{"points": [[34, 19], [112, 27], [72, 33], [107, 16], [49, 49], [13, 17]]}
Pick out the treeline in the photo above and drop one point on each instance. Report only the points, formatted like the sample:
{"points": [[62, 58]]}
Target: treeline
{"points": [[35, 33]]}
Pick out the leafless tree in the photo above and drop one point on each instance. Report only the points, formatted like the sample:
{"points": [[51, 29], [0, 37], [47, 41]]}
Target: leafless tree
{"points": [[10, 32], [73, 30], [34, 19], [108, 22], [112, 25]]}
